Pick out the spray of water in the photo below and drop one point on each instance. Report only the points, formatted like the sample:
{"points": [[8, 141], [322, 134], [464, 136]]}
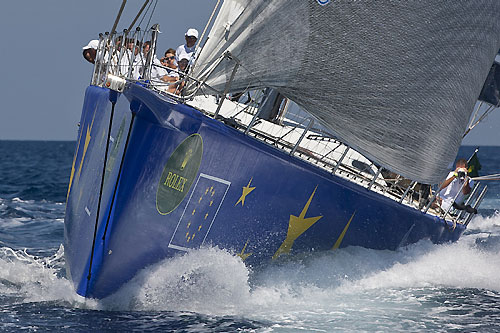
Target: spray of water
{"points": [[33, 278], [213, 281], [296, 291]]}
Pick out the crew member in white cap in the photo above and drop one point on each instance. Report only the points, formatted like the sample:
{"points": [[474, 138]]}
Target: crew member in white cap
{"points": [[90, 51], [187, 50]]}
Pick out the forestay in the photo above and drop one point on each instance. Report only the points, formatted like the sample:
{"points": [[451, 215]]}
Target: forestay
{"points": [[397, 80]]}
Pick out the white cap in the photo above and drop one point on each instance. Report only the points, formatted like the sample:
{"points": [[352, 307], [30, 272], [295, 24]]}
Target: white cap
{"points": [[93, 44], [192, 32]]}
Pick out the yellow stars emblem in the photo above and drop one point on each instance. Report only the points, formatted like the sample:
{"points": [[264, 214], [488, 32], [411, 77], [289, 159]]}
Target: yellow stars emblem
{"points": [[210, 190], [246, 191], [197, 218], [297, 225], [190, 235]]}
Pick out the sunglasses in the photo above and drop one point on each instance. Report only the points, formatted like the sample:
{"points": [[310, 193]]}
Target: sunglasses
{"points": [[168, 58]]}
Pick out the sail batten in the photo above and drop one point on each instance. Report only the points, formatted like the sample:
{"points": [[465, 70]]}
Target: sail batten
{"points": [[396, 80]]}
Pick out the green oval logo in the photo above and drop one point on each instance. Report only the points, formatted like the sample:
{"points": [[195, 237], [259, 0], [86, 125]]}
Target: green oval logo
{"points": [[178, 174]]}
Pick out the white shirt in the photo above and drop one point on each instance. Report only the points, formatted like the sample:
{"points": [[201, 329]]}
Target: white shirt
{"points": [[157, 72], [185, 52], [172, 73], [138, 65], [448, 193], [125, 62]]}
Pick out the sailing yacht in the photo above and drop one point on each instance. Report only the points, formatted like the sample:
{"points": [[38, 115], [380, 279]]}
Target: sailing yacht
{"points": [[386, 89]]}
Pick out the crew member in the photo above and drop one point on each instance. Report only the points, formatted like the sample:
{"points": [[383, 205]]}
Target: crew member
{"points": [[457, 181], [187, 50], [90, 51]]}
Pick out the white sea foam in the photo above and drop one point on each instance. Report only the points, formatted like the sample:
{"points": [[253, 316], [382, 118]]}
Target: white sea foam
{"points": [[351, 281], [16, 199], [320, 291], [13, 222], [456, 266], [207, 280], [34, 279], [16, 212], [488, 224]]}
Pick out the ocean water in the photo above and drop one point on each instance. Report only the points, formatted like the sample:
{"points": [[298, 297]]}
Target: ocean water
{"points": [[424, 287]]}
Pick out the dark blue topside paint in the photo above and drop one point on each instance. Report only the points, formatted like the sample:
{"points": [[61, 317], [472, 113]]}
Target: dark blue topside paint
{"points": [[138, 235]]}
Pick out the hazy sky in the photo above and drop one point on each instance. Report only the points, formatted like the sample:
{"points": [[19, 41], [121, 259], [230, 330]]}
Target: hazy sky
{"points": [[45, 75]]}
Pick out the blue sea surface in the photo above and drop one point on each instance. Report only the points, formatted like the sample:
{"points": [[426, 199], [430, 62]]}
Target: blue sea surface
{"points": [[423, 287]]}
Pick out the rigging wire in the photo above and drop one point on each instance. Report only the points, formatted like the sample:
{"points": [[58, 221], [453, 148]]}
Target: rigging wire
{"points": [[138, 14], [151, 16], [118, 17], [487, 112], [475, 114], [145, 13], [495, 176], [208, 23], [203, 35], [147, 25], [142, 32]]}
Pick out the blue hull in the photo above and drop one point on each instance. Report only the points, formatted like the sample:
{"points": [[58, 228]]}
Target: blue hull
{"points": [[186, 180]]}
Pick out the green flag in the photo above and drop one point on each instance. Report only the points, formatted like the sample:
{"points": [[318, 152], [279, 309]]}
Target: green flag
{"points": [[474, 166]]}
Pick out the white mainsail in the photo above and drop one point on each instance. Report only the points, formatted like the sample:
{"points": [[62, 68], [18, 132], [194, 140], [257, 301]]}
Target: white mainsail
{"points": [[396, 80]]}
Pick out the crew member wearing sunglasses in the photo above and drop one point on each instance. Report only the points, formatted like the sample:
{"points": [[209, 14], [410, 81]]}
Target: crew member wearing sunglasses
{"points": [[172, 76]]}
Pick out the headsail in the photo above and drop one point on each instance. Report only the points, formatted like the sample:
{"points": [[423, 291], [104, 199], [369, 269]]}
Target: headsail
{"points": [[397, 80]]}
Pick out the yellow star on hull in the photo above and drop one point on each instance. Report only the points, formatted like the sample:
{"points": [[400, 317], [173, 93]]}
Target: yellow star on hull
{"points": [[342, 234], [246, 191], [297, 225], [242, 254]]}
